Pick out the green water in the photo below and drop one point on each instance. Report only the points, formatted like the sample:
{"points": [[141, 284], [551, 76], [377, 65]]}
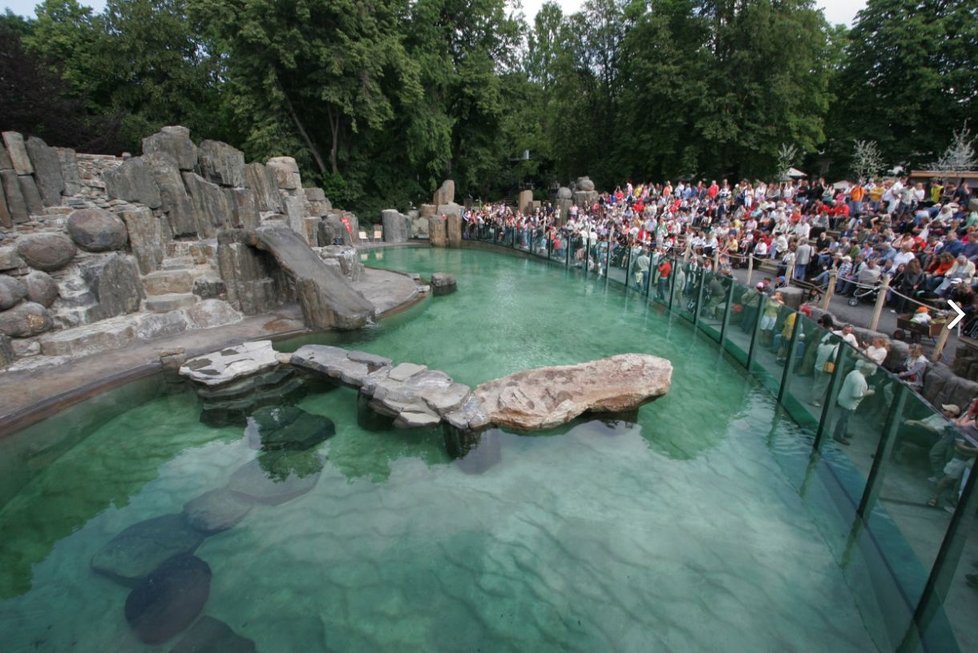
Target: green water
{"points": [[681, 532]]}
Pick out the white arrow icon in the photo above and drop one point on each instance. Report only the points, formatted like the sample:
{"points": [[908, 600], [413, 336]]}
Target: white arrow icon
{"points": [[957, 309]]}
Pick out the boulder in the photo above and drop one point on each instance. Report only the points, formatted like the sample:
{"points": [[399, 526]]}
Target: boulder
{"points": [[104, 335], [445, 193], [584, 184], [69, 170], [25, 320], [115, 282], [6, 220], [442, 284], [332, 230], [97, 230], [397, 228], [47, 171], [9, 260], [337, 363], [316, 201], [208, 635], [585, 198], [17, 152], [453, 229], [46, 251], [231, 363], [279, 479], [150, 326], [210, 313], [41, 288], [7, 355], [327, 299], [290, 427], [174, 143], [244, 208], [565, 193], [209, 286], [547, 397], [419, 227], [212, 208], [12, 291], [145, 236], [221, 163], [348, 259], [525, 200], [163, 282], [174, 199], [166, 602], [286, 172], [449, 209], [133, 181], [263, 183], [215, 511], [5, 162], [135, 552], [31, 195], [295, 215], [254, 282], [429, 210], [437, 232], [16, 205]]}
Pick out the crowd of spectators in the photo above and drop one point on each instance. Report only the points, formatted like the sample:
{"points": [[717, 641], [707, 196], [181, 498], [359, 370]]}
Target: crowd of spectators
{"points": [[923, 237]]}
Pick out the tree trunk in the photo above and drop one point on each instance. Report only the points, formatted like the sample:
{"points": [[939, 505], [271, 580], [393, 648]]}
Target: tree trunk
{"points": [[334, 128], [305, 136]]}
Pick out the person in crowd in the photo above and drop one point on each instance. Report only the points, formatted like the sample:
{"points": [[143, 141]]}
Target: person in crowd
{"points": [[854, 389]]}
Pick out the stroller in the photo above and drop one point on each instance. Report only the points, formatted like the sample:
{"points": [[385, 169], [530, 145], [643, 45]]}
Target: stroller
{"points": [[864, 293]]}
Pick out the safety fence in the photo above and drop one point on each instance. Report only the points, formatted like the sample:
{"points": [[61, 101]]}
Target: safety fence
{"points": [[905, 543]]}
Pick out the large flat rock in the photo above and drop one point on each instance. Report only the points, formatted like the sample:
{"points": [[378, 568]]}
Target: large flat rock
{"points": [[549, 396], [231, 363]]}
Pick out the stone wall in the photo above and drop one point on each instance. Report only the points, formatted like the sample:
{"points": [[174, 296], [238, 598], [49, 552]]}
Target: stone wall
{"points": [[97, 251]]}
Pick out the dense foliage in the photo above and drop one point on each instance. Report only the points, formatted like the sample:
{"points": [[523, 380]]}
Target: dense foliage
{"points": [[381, 99]]}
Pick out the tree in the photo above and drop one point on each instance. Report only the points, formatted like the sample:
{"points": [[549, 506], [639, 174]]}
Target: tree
{"points": [[867, 161], [908, 78], [309, 71], [959, 155]]}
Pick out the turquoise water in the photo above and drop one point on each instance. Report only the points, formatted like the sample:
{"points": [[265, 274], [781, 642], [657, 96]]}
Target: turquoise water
{"points": [[680, 532]]}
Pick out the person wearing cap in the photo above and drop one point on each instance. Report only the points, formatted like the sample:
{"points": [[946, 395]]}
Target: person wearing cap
{"points": [[854, 389], [962, 459], [932, 432]]}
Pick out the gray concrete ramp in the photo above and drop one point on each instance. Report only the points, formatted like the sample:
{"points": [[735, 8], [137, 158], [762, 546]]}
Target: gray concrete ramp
{"points": [[327, 299]]}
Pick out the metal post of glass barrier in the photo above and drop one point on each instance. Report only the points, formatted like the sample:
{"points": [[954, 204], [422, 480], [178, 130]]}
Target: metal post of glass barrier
{"points": [[628, 264], [607, 258], [671, 286], [726, 310], [838, 359], [648, 281], [699, 297], [790, 357], [762, 302], [568, 246], [893, 418], [943, 571]]}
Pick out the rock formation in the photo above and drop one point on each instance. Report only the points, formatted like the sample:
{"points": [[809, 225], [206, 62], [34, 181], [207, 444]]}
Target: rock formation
{"points": [[94, 237], [550, 396]]}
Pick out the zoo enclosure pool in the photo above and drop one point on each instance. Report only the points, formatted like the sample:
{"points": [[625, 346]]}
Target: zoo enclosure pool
{"points": [[708, 510]]}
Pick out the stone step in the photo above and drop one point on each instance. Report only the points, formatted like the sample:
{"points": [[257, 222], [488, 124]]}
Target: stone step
{"points": [[178, 263], [165, 282], [169, 302], [115, 333]]}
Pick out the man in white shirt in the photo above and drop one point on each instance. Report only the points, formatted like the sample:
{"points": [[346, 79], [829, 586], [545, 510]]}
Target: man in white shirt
{"points": [[854, 389]]}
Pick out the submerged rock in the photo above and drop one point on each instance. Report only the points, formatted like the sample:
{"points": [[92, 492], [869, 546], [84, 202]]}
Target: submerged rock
{"points": [[442, 284], [210, 635], [141, 548], [550, 396], [215, 511], [276, 477], [169, 599], [290, 427]]}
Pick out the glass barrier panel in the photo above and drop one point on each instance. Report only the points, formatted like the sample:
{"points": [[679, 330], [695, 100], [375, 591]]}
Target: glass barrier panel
{"points": [[740, 328], [685, 290], [798, 394], [713, 304], [765, 364]]}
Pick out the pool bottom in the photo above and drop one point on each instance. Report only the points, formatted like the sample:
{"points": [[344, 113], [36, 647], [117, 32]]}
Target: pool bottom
{"points": [[585, 540]]}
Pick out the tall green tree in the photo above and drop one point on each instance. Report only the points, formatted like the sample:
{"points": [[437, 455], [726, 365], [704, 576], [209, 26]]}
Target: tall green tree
{"points": [[909, 77]]}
